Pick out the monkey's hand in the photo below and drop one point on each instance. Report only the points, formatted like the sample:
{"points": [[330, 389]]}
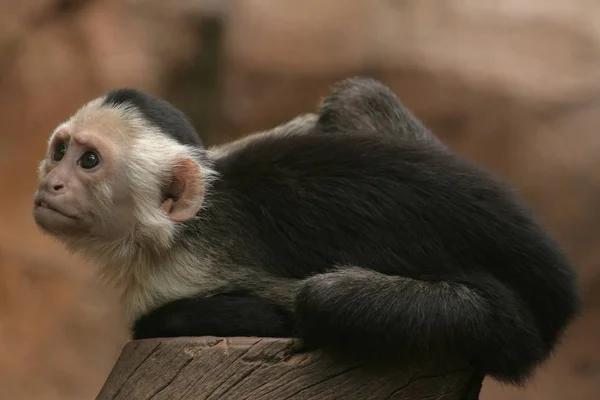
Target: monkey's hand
{"points": [[227, 314]]}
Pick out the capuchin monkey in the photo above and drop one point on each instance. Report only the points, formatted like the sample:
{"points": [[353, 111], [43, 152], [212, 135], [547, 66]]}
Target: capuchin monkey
{"points": [[354, 229]]}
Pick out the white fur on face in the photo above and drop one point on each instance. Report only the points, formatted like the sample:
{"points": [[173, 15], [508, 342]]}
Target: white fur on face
{"points": [[133, 237]]}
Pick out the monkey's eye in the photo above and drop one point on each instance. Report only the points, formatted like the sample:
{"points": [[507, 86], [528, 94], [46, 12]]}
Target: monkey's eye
{"points": [[59, 152], [89, 160]]}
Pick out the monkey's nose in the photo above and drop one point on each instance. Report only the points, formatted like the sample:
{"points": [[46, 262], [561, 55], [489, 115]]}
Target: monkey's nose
{"points": [[58, 187]]}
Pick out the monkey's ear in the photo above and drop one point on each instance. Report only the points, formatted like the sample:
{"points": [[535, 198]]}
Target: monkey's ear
{"points": [[184, 195]]}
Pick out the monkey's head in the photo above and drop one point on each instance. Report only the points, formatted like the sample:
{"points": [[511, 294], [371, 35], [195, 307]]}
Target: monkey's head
{"points": [[125, 169]]}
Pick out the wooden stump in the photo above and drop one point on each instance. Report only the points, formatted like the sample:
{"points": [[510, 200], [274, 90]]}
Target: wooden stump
{"points": [[269, 369]]}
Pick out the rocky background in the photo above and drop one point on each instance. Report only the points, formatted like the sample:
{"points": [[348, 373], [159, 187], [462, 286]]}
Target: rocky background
{"points": [[513, 84]]}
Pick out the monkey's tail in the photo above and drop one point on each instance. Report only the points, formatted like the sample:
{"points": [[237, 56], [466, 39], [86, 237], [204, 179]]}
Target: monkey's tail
{"points": [[364, 312]]}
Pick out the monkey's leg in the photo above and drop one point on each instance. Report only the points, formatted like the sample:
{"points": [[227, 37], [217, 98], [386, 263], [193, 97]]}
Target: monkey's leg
{"points": [[226, 314], [363, 312]]}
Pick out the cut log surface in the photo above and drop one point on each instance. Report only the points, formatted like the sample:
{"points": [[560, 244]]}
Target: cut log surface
{"points": [[270, 369]]}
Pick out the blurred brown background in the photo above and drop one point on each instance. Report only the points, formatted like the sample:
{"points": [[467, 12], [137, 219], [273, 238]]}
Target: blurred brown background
{"points": [[514, 84]]}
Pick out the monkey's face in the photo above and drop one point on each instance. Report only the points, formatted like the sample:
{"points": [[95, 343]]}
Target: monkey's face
{"points": [[77, 184], [109, 179]]}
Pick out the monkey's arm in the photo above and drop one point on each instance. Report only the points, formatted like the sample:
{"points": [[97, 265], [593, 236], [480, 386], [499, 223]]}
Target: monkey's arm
{"points": [[226, 314], [362, 312]]}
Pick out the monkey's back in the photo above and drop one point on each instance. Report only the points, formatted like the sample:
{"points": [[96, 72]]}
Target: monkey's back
{"points": [[301, 204]]}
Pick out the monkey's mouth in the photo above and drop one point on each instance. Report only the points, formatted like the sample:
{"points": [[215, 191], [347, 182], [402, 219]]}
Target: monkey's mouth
{"points": [[42, 205]]}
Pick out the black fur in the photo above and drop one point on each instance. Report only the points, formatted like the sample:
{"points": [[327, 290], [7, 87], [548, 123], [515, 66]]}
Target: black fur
{"points": [[228, 314], [446, 256], [158, 112]]}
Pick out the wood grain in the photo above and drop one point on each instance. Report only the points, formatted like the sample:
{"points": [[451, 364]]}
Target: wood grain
{"points": [[269, 369]]}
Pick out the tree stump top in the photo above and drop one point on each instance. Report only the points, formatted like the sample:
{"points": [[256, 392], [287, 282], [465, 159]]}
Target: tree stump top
{"points": [[269, 369]]}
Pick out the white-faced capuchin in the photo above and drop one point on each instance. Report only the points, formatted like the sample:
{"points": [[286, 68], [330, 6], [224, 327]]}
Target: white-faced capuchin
{"points": [[354, 229]]}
